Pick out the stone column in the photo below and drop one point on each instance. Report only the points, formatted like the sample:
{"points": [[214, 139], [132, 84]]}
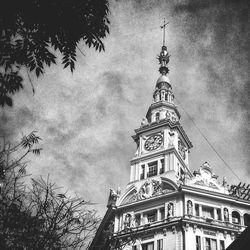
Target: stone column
{"points": [[166, 210], [158, 216], [146, 171], [116, 226], [241, 220], [153, 119], [132, 170], [200, 210], [158, 166], [215, 214], [141, 219]]}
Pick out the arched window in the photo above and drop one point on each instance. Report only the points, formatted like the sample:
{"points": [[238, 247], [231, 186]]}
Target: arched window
{"points": [[246, 219], [235, 217]]}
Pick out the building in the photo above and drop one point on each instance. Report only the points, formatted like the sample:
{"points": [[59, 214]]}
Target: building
{"points": [[165, 206]]}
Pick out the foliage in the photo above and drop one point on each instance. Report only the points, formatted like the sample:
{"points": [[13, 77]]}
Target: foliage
{"points": [[38, 216], [32, 31]]}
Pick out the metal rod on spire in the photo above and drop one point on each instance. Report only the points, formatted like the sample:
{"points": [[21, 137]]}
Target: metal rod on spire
{"points": [[164, 27]]}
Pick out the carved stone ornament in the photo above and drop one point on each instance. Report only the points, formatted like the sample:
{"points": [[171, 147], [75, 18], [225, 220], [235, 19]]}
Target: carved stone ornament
{"points": [[144, 122], [204, 177], [181, 149], [112, 197], [174, 230], [171, 139], [148, 189], [194, 228]]}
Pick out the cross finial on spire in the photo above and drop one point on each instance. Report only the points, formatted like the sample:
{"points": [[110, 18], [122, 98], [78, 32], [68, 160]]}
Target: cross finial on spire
{"points": [[164, 28]]}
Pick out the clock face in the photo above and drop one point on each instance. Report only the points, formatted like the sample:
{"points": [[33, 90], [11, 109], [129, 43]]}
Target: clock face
{"points": [[153, 142]]}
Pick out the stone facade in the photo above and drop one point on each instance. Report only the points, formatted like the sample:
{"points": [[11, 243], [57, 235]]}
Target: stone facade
{"points": [[165, 206]]}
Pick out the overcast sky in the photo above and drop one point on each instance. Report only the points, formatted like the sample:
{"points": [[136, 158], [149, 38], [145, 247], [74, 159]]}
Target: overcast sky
{"points": [[87, 119]]}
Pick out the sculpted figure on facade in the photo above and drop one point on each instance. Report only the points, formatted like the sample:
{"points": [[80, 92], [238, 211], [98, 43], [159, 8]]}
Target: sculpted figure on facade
{"points": [[189, 207], [127, 220], [144, 121], [224, 182], [226, 214], [174, 118], [148, 189], [170, 210], [112, 197], [171, 139], [168, 115]]}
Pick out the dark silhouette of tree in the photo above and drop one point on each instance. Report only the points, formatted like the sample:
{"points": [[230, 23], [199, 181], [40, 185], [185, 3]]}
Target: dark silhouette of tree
{"points": [[32, 31], [38, 216]]}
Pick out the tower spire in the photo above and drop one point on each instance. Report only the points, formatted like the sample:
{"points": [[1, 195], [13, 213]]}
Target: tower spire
{"points": [[164, 28], [164, 55]]}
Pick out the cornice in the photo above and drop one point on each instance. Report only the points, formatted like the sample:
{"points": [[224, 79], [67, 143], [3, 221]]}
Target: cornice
{"points": [[214, 194], [153, 198], [213, 226], [159, 153], [166, 104], [172, 224], [152, 155], [162, 123], [166, 223]]}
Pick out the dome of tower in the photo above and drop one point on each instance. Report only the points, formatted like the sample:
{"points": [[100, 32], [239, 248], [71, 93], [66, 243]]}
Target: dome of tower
{"points": [[163, 82], [163, 78]]}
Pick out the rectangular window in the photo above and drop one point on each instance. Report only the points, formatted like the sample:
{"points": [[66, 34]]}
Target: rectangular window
{"points": [[222, 245], [198, 243], [218, 210], [151, 217], [157, 116], [137, 220], [210, 244], [148, 246], [152, 169], [142, 172], [197, 210], [160, 244], [162, 213], [208, 212]]}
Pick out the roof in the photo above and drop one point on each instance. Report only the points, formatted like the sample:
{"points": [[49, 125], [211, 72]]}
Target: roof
{"points": [[163, 78]]}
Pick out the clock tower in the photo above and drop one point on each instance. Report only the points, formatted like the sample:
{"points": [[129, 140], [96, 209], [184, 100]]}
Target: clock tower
{"points": [[162, 144]]}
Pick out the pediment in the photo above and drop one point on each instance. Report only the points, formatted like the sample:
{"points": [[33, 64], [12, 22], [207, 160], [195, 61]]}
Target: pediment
{"points": [[149, 188]]}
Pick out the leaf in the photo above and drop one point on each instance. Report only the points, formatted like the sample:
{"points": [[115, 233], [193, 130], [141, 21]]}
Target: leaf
{"points": [[36, 151], [61, 196], [8, 101]]}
